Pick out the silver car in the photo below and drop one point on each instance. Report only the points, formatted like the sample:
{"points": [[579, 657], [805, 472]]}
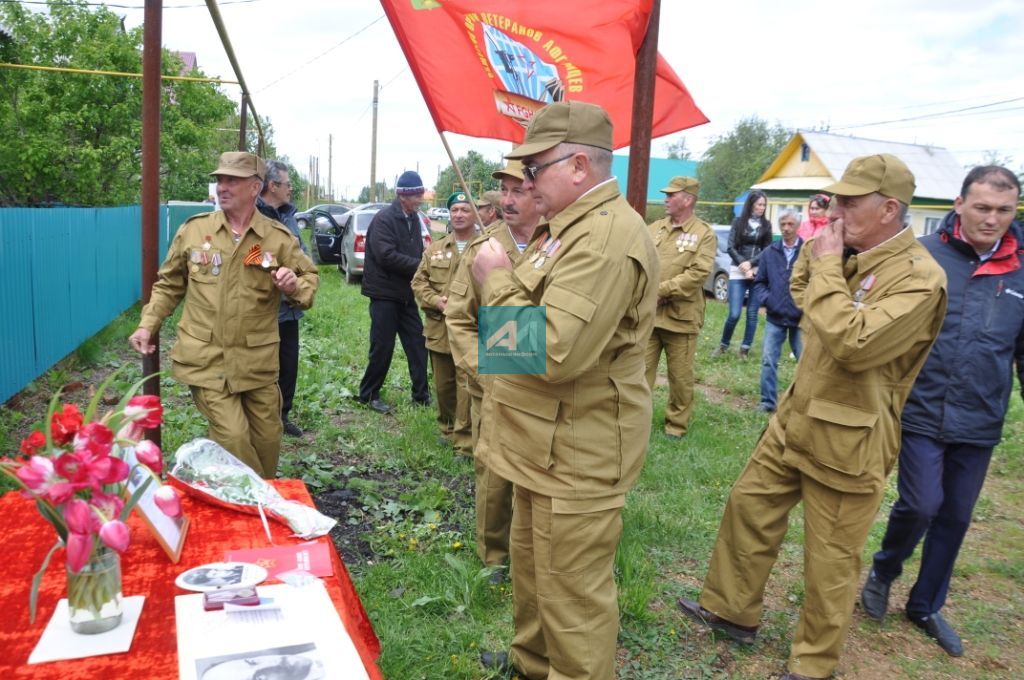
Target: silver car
{"points": [[717, 283]]}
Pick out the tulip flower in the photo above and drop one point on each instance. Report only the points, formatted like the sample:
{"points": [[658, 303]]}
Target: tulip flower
{"points": [[115, 535], [65, 424], [60, 492], [79, 516], [149, 455], [79, 549], [94, 437], [108, 506], [145, 409], [37, 474], [167, 500], [32, 443]]}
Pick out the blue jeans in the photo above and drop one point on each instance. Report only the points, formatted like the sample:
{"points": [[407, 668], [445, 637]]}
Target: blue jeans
{"points": [[738, 289], [773, 339], [938, 484]]}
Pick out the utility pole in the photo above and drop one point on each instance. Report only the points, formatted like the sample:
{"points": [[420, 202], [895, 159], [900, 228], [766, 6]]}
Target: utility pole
{"points": [[309, 181], [373, 149], [330, 168]]}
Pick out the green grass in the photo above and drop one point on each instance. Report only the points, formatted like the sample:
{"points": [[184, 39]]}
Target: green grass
{"points": [[413, 560]]}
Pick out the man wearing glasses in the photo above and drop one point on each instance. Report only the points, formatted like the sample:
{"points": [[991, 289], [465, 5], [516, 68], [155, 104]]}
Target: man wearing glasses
{"points": [[581, 426], [275, 202]]}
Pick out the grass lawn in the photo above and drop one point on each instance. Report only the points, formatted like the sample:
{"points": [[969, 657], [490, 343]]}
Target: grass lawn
{"points": [[405, 511]]}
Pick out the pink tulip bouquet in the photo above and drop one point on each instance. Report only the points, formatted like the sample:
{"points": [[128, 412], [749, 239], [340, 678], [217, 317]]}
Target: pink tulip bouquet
{"points": [[76, 473]]}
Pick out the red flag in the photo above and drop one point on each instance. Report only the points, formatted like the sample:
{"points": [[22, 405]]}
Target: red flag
{"points": [[485, 66]]}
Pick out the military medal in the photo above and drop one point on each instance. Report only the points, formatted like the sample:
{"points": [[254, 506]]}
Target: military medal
{"points": [[217, 261], [206, 246], [193, 257], [551, 247], [448, 255], [268, 257], [865, 285], [195, 268], [540, 251]]}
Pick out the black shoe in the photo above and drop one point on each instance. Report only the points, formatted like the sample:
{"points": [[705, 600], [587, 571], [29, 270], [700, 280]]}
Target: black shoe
{"points": [[291, 428], [745, 635], [936, 627], [874, 598], [497, 662], [497, 577], [378, 406]]}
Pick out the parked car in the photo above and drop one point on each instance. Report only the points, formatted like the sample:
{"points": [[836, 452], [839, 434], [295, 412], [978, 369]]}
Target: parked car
{"points": [[440, 214], [304, 219], [344, 241], [717, 283]]}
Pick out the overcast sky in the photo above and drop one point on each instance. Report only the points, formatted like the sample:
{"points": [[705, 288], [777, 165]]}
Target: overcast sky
{"points": [[310, 65]]}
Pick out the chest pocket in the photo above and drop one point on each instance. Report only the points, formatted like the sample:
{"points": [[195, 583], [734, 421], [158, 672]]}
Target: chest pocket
{"points": [[440, 272]]}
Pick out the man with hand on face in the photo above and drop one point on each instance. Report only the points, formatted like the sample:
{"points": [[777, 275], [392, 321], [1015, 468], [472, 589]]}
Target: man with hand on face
{"points": [[873, 300], [231, 266], [493, 493], [954, 416], [570, 434], [430, 286], [686, 252]]}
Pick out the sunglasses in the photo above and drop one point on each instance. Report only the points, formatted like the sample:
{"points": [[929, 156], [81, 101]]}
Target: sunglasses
{"points": [[531, 171]]}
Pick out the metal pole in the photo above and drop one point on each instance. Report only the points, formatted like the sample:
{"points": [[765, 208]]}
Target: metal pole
{"points": [[643, 114], [151, 40], [330, 168], [222, 31], [242, 117], [373, 149]]}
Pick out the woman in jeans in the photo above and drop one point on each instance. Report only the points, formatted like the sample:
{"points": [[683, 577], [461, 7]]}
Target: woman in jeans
{"points": [[751, 233]]}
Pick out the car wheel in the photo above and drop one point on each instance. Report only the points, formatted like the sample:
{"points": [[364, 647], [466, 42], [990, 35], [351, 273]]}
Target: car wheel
{"points": [[722, 287], [302, 223]]}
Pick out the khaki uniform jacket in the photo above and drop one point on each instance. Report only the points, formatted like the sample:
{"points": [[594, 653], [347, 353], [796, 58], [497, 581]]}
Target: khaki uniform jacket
{"points": [[686, 254], [228, 333], [578, 432], [430, 284], [464, 303], [866, 340]]}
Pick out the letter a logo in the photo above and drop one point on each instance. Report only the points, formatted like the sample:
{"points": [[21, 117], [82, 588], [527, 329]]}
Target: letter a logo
{"points": [[505, 336]]}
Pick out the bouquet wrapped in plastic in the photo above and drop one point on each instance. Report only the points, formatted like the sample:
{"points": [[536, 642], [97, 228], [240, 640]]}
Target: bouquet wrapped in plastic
{"points": [[206, 470]]}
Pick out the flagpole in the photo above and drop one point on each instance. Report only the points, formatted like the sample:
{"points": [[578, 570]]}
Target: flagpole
{"points": [[462, 180], [643, 113]]}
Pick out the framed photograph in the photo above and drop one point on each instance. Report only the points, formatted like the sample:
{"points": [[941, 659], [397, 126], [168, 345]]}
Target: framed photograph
{"points": [[169, 532], [217, 575]]}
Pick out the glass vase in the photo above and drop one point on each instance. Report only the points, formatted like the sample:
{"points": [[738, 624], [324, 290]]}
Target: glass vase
{"points": [[94, 594]]}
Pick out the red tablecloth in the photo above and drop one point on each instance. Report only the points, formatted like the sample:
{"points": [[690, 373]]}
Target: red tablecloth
{"points": [[146, 570]]}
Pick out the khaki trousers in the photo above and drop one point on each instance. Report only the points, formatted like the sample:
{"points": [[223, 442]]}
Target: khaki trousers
{"points": [[462, 427], [247, 424], [443, 367], [836, 525], [564, 603], [493, 515], [680, 353]]}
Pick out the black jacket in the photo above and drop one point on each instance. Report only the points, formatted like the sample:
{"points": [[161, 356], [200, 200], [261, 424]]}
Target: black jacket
{"points": [[394, 247], [771, 285], [746, 245], [963, 390]]}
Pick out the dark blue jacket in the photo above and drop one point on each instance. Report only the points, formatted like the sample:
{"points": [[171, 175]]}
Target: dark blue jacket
{"points": [[771, 285], [394, 246], [285, 214], [962, 393]]}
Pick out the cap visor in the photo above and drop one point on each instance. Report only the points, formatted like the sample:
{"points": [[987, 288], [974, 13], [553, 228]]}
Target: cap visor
{"points": [[230, 172], [669, 190], [531, 149], [847, 189]]}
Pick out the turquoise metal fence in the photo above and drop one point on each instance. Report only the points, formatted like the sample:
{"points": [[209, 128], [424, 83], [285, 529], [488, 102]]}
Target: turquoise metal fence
{"points": [[65, 273]]}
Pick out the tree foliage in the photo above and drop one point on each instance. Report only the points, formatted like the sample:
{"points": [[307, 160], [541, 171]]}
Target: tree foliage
{"points": [[734, 161], [477, 171], [75, 139], [677, 150]]}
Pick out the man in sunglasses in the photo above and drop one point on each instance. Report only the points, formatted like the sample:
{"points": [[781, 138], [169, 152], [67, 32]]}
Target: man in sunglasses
{"points": [[572, 436]]}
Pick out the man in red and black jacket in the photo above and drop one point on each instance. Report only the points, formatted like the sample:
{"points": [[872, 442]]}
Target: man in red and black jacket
{"points": [[954, 415]]}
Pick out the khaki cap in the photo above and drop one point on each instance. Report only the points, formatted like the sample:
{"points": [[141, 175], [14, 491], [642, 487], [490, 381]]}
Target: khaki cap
{"points": [[681, 183], [492, 198], [513, 169], [241, 164], [574, 122], [882, 173]]}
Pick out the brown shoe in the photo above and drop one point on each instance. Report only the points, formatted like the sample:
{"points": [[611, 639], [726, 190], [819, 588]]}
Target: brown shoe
{"points": [[744, 353], [744, 635], [719, 351]]}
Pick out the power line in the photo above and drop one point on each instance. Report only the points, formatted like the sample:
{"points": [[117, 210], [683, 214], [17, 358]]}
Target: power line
{"points": [[924, 116], [322, 54]]}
